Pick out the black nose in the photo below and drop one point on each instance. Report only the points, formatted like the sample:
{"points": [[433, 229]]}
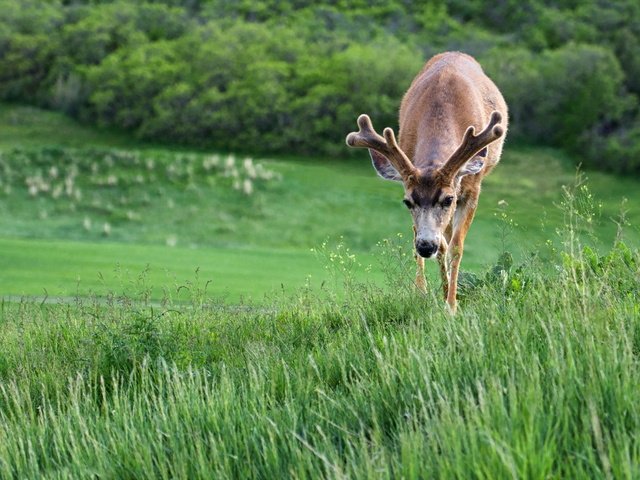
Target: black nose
{"points": [[426, 249]]}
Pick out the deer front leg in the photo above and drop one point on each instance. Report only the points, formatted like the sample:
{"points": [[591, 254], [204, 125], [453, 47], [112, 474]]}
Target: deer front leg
{"points": [[462, 221], [421, 283], [444, 273], [442, 261]]}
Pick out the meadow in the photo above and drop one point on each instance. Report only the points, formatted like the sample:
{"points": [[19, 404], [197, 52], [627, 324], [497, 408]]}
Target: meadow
{"points": [[198, 279], [86, 211], [536, 377], [198, 336]]}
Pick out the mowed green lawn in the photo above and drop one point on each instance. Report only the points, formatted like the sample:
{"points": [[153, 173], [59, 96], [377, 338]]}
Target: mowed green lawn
{"points": [[250, 246], [56, 268]]}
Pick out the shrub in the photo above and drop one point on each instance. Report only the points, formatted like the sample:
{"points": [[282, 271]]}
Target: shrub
{"points": [[564, 96], [270, 76]]}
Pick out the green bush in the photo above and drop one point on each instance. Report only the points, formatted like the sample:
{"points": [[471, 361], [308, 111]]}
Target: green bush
{"points": [[564, 97], [272, 76], [618, 151]]}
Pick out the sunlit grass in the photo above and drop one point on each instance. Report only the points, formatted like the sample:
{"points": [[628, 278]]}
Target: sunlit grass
{"points": [[536, 377], [174, 211], [200, 337]]}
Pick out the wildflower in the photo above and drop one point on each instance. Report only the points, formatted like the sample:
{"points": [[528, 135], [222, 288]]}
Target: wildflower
{"points": [[210, 162], [247, 187], [57, 191], [250, 168], [68, 186]]}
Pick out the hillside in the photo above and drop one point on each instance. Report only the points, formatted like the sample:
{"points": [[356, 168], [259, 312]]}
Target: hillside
{"points": [[169, 223]]}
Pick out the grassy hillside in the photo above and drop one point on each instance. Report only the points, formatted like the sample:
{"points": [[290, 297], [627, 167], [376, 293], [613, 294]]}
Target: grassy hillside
{"points": [[200, 337], [171, 223]]}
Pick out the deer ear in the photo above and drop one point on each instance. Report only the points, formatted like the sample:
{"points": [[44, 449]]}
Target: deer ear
{"points": [[473, 166], [383, 166]]}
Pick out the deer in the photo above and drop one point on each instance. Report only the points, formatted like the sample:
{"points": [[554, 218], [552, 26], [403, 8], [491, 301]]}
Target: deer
{"points": [[438, 157]]}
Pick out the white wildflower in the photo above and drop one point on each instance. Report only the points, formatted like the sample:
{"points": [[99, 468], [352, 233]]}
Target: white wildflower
{"points": [[57, 191], [68, 186], [172, 241], [247, 187], [250, 168], [211, 162]]}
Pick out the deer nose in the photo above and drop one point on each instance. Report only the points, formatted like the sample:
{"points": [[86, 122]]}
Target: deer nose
{"points": [[426, 249]]}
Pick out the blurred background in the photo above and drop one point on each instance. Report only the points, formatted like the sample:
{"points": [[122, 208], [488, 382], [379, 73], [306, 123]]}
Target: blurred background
{"points": [[150, 146]]}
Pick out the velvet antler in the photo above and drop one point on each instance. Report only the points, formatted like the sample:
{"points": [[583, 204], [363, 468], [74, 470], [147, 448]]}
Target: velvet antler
{"points": [[472, 144], [367, 137]]}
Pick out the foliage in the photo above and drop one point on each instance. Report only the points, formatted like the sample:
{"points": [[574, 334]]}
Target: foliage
{"points": [[572, 96], [292, 76]]}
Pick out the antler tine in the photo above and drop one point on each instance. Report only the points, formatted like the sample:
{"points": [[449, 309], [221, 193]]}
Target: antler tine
{"points": [[367, 137], [472, 144]]}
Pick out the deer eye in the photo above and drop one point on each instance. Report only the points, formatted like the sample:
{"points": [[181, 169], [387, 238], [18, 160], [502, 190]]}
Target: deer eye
{"points": [[408, 203], [447, 201]]}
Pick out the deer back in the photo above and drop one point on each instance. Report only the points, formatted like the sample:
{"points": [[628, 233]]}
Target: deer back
{"points": [[450, 94]]}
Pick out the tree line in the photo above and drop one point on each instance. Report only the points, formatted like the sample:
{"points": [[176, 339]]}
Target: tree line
{"points": [[292, 76]]}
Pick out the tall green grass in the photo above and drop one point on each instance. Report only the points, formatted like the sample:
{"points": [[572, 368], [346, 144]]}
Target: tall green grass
{"points": [[536, 377]]}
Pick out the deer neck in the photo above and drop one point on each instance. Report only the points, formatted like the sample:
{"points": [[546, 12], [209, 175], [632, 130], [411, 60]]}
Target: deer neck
{"points": [[432, 151]]}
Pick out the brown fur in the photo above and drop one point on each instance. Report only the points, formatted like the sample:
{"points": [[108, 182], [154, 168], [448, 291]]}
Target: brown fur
{"points": [[448, 96]]}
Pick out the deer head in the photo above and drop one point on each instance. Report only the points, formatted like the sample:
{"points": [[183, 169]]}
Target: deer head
{"points": [[430, 194]]}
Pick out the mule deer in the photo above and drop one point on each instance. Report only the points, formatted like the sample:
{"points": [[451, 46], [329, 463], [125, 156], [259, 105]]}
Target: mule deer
{"points": [[439, 159]]}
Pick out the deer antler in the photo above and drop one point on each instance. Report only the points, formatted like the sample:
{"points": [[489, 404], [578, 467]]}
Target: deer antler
{"points": [[472, 144], [367, 137]]}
